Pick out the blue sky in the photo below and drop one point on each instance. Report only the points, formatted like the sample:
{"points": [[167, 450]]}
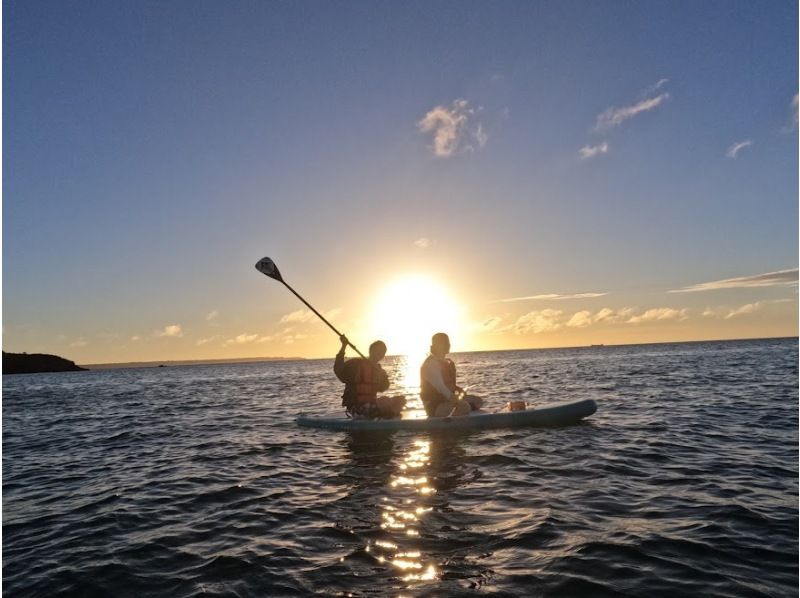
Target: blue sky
{"points": [[154, 151]]}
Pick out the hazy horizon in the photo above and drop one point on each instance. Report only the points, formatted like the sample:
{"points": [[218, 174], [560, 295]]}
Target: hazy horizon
{"points": [[390, 356]]}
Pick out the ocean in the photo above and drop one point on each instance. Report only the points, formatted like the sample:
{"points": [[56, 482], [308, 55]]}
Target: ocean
{"points": [[195, 481]]}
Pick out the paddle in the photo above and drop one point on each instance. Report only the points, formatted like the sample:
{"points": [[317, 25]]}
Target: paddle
{"points": [[267, 266]]}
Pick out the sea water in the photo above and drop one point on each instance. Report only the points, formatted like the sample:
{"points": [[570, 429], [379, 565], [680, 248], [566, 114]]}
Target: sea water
{"points": [[190, 481]]}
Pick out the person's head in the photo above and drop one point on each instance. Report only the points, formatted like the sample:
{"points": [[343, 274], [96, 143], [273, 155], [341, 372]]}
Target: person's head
{"points": [[440, 344], [377, 351]]}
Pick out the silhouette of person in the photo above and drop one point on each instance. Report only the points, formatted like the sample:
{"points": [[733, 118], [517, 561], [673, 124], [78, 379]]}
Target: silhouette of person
{"points": [[439, 392], [363, 379]]}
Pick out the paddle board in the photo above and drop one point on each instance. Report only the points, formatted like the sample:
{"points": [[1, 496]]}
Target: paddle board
{"points": [[555, 415]]}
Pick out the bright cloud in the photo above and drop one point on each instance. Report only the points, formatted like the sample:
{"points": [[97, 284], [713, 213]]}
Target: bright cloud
{"points": [[585, 318], [173, 330], [452, 129], [292, 338], [545, 320], [304, 316], [744, 310], [613, 117], [78, 343], [299, 316], [726, 313], [552, 296], [737, 147], [590, 151], [660, 314], [581, 319], [769, 279], [423, 243], [205, 341], [212, 316], [245, 339], [549, 320], [612, 315], [654, 88]]}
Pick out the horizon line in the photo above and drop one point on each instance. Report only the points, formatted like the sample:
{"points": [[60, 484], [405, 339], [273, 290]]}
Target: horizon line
{"points": [[234, 360]]}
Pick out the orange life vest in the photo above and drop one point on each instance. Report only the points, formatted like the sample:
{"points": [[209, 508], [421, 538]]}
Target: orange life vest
{"points": [[366, 383], [427, 391]]}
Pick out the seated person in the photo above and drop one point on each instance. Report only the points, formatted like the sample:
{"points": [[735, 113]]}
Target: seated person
{"points": [[439, 392], [363, 380]]}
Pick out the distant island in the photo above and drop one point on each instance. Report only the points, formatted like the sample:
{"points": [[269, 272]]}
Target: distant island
{"points": [[33, 363]]}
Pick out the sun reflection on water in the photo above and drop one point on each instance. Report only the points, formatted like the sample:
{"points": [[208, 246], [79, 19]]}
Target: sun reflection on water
{"points": [[401, 515], [408, 377]]}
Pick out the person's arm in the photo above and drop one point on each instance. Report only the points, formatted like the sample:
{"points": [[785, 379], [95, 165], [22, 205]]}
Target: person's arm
{"points": [[338, 363], [433, 374], [459, 391], [382, 383]]}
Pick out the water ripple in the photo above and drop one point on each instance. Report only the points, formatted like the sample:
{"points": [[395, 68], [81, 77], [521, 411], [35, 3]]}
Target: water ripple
{"points": [[194, 481]]}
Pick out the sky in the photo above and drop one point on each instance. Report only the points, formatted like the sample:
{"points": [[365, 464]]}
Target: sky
{"points": [[517, 174]]}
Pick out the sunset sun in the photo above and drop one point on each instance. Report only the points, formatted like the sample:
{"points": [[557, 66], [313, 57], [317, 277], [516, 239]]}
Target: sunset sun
{"points": [[410, 309]]}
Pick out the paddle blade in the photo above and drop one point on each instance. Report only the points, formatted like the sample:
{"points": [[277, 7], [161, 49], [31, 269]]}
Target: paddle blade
{"points": [[268, 267]]}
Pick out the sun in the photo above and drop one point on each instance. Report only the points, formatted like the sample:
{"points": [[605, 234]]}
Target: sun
{"points": [[409, 310]]}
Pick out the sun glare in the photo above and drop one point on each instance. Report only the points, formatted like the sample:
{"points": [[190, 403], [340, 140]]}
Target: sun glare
{"points": [[411, 309]]}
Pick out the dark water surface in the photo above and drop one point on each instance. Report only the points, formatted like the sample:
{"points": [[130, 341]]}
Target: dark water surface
{"points": [[192, 481]]}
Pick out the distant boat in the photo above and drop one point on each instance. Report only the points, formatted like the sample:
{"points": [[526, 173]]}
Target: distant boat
{"points": [[596, 345]]}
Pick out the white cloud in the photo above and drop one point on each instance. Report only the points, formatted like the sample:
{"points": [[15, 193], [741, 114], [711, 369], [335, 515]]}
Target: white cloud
{"points": [[205, 341], [613, 117], [246, 339], [613, 316], [136, 337], [545, 320], [769, 279], [423, 243], [726, 313], [590, 151], [452, 129], [305, 316], [78, 343], [480, 135], [654, 88], [299, 316], [173, 330], [552, 296], [580, 319], [737, 147], [212, 316], [585, 318], [660, 314]]}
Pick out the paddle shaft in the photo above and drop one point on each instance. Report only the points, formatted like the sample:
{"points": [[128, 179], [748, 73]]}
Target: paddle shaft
{"points": [[321, 317]]}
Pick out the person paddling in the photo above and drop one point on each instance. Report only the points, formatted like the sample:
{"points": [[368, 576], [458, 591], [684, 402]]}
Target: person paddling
{"points": [[439, 392], [363, 380]]}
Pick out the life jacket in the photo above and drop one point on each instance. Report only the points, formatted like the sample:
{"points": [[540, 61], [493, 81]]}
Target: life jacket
{"points": [[427, 392], [366, 383]]}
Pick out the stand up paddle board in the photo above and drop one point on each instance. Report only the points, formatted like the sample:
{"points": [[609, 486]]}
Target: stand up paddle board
{"points": [[555, 415]]}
